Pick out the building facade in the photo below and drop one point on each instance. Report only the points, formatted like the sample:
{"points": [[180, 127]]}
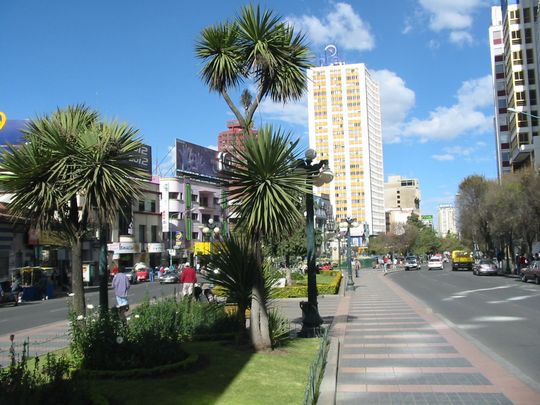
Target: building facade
{"points": [[403, 193], [447, 220], [514, 34], [345, 128]]}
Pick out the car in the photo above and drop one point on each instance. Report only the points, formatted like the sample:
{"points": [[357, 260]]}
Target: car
{"points": [[169, 277], [6, 295], [411, 263], [143, 275], [131, 275], [531, 272], [435, 263], [485, 267]]}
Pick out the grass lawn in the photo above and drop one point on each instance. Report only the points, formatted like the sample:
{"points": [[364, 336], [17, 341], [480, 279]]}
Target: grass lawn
{"points": [[228, 375]]}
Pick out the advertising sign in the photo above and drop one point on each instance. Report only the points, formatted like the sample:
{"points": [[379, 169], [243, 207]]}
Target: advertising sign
{"points": [[202, 248], [154, 247], [143, 160], [196, 159], [86, 272], [179, 240]]}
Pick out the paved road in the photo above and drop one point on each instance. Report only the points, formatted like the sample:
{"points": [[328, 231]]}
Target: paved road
{"points": [[36, 313], [502, 314]]}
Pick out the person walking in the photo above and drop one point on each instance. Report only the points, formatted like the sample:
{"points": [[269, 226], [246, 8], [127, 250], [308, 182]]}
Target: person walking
{"points": [[356, 267], [386, 264], [121, 286], [188, 280]]}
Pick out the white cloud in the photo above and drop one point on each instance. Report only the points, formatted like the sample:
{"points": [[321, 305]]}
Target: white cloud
{"points": [[213, 147], [461, 118], [396, 102], [292, 112], [461, 38], [342, 27], [455, 16], [443, 157]]}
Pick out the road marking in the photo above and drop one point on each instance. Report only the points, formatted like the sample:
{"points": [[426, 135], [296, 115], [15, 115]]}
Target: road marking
{"points": [[57, 310], [497, 318]]}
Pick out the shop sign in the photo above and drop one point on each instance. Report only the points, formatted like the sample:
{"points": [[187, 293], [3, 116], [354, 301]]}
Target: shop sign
{"points": [[113, 246], [154, 247], [202, 248], [120, 248], [171, 252]]}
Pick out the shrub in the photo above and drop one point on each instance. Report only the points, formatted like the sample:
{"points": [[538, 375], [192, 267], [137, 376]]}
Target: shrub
{"points": [[153, 335], [44, 383], [280, 328], [299, 290]]}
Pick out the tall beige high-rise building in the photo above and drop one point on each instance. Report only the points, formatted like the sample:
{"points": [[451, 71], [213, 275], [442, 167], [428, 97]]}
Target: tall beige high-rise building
{"points": [[447, 220], [345, 128]]}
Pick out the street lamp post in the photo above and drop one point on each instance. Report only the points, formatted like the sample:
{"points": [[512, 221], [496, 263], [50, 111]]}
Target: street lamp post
{"points": [[349, 223], [316, 174]]}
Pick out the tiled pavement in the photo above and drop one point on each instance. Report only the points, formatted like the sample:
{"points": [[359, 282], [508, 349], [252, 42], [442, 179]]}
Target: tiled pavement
{"points": [[389, 349]]}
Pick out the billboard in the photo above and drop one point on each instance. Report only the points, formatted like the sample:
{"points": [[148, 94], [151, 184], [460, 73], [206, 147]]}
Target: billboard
{"points": [[11, 132], [196, 160], [144, 159]]}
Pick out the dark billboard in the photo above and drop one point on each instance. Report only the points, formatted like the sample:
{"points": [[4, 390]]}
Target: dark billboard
{"points": [[144, 159], [11, 132], [195, 160]]}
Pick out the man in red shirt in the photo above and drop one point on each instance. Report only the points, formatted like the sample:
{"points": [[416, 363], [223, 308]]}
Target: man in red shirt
{"points": [[188, 280]]}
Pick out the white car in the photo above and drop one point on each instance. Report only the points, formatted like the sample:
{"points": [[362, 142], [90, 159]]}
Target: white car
{"points": [[435, 263]]}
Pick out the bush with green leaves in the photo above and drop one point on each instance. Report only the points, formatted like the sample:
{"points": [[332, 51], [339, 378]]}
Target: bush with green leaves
{"points": [[152, 335], [45, 382]]}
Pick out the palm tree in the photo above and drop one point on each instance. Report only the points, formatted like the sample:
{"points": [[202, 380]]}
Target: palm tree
{"points": [[262, 49], [258, 47], [262, 182], [71, 170]]}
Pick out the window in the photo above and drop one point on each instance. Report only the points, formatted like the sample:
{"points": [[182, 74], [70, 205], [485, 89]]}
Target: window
{"points": [[216, 218], [534, 120], [153, 206], [524, 138], [141, 205], [194, 235], [520, 98], [530, 76], [142, 233], [195, 216], [530, 56], [517, 57], [173, 196], [528, 35], [154, 232], [532, 97], [204, 201], [516, 37], [518, 78], [194, 197], [526, 15]]}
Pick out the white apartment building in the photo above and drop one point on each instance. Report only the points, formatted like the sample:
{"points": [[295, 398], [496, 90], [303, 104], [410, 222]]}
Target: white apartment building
{"points": [[447, 220], [514, 35], [345, 128]]}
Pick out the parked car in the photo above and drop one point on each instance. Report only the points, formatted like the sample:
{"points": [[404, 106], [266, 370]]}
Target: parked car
{"points": [[169, 277], [435, 263], [131, 275], [531, 272], [6, 295], [411, 263], [485, 267]]}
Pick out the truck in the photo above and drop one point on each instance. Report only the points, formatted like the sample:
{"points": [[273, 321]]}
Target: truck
{"points": [[462, 260]]}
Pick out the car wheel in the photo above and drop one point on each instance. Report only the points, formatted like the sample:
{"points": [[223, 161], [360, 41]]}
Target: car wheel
{"points": [[524, 278]]}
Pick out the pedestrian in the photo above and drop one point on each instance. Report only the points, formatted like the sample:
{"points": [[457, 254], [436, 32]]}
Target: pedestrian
{"points": [[188, 280], [16, 288], [386, 262], [121, 286], [150, 274], [42, 287], [356, 267]]}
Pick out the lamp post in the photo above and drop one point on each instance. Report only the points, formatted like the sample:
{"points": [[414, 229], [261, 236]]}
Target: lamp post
{"points": [[316, 174], [349, 223]]}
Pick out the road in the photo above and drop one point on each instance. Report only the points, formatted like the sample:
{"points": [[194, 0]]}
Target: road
{"points": [[499, 313], [36, 313]]}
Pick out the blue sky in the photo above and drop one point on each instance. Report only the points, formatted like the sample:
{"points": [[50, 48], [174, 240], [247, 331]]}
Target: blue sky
{"points": [[134, 61]]}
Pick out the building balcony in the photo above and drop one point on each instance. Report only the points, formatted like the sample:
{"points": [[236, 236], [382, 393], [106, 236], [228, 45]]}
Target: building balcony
{"points": [[521, 153]]}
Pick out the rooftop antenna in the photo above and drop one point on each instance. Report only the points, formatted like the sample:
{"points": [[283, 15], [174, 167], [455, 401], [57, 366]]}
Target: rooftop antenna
{"points": [[330, 54]]}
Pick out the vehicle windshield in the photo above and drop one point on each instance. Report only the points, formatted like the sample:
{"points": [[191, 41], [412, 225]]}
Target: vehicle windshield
{"points": [[435, 259], [411, 259], [486, 261]]}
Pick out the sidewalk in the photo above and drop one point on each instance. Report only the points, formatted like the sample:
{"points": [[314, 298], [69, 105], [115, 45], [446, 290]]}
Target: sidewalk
{"points": [[387, 348]]}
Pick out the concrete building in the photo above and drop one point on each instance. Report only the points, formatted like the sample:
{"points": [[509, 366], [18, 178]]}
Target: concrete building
{"points": [[514, 43], [403, 193], [447, 220], [345, 128]]}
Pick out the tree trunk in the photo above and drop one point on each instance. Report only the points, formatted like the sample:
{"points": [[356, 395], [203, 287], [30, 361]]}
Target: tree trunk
{"points": [[259, 323], [103, 274], [77, 287]]}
